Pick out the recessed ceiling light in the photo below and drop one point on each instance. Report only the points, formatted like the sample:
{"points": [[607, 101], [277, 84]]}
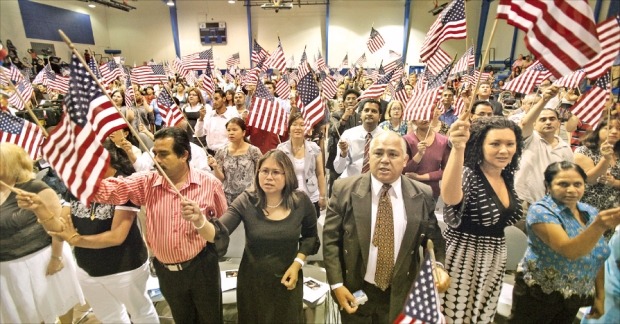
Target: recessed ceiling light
{"points": [[91, 5], [231, 1], [170, 3]]}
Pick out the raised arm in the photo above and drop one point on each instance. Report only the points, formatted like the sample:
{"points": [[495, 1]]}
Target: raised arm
{"points": [[451, 185], [527, 123]]}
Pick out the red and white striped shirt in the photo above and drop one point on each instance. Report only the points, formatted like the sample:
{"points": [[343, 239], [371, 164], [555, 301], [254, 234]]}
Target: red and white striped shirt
{"points": [[172, 238]]}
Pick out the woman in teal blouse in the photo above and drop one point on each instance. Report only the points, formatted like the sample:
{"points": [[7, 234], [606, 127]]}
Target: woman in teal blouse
{"points": [[562, 267]]}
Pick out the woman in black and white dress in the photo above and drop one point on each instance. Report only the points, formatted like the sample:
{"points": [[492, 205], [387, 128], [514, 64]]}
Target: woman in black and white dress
{"points": [[478, 189]]}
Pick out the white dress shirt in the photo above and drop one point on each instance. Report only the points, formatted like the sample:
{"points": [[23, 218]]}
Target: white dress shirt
{"points": [[214, 128], [356, 138], [400, 222]]}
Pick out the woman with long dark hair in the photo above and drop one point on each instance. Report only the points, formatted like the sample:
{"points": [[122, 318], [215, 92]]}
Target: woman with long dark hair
{"points": [[478, 190]]}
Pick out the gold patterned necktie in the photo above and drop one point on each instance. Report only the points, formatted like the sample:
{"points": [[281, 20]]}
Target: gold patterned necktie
{"points": [[366, 163], [383, 239]]}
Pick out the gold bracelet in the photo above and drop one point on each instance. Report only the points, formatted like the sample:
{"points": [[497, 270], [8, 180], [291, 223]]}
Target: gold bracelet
{"points": [[58, 258], [43, 221], [72, 237]]}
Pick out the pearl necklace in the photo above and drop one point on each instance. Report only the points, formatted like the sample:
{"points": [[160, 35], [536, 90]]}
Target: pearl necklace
{"points": [[277, 205]]}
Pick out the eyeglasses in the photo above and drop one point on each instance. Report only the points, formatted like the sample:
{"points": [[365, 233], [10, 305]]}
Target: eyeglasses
{"points": [[273, 173]]}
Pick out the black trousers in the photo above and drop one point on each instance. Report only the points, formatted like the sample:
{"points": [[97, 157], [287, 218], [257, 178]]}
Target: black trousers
{"points": [[194, 293], [375, 311], [532, 305]]}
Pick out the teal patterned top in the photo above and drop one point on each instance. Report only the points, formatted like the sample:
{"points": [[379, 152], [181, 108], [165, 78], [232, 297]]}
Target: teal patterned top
{"points": [[552, 271], [401, 129]]}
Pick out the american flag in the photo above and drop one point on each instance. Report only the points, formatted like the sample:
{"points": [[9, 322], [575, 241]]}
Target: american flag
{"points": [[309, 98], [571, 80], [531, 77], [561, 34], [277, 59], [393, 54], [375, 42], [304, 57], [251, 77], [25, 90], [259, 54], [54, 81], [266, 113], [395, 64], [170, 112], [449, 25], [474, 74], [178, 67], [92, 64], [376, 89], [420, 105], [609, 36], [110, 71], [129, 92], [464, 62], [40, 77], [12, 74], [438, 61], [329, 87], [199, 61], [459, 105], [423, 302], [74, 148], [321, 65], [148, 74], [20, 132], [361, 61], [345, 63], [283, 89], [400, 93], [233, 60], [589, 108], [208, 84]]}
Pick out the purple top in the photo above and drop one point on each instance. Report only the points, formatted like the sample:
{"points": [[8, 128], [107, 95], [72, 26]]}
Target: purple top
{"points": [[433, 162]]}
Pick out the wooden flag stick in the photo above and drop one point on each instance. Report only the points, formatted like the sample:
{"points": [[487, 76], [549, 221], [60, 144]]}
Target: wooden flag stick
{"points": [[30, 112], [131, 129], [12, 189], [465, 115], [431, 250]]}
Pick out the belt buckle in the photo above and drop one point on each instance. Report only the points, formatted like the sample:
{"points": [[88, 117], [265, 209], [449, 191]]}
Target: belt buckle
{"points": [[174, 267]]}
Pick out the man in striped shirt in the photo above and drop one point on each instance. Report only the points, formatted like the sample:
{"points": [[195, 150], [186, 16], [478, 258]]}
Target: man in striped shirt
{"points": [[183, 232]]}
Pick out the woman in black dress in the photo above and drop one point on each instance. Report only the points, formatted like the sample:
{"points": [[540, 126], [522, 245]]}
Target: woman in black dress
{"points": [[280, 230]]}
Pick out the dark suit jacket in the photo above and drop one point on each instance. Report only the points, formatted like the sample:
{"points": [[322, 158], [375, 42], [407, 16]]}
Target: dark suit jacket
{"points": [[346, 235]]}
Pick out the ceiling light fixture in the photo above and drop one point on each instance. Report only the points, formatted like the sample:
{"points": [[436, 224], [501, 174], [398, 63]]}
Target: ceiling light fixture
{"points": [[170, 3], [91, 5], [231, 1]]}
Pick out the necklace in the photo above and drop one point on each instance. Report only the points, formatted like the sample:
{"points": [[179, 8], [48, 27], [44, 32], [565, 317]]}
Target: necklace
{"points": [[297, 149], [92, 211], [275, 206]]}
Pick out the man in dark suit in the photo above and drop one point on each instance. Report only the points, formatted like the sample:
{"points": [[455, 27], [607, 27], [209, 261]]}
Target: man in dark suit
{"points": [[355, 257]]}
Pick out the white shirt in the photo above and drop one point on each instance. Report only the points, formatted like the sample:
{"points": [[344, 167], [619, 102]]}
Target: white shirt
{"points": [[214, 128], [537, 155], [198, 161], [400, 222], [356, 138]]}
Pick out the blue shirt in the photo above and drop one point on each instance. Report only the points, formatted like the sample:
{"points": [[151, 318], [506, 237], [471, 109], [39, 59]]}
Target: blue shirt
{"points": [[448, 117], [549, 269]]}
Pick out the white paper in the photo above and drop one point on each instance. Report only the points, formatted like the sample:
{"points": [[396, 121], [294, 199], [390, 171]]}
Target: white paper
{"points": [[229, 279], [314, 289]]}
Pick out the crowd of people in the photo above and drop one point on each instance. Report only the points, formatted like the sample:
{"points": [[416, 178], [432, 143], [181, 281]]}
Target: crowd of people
{"points": [[378, 177]]}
